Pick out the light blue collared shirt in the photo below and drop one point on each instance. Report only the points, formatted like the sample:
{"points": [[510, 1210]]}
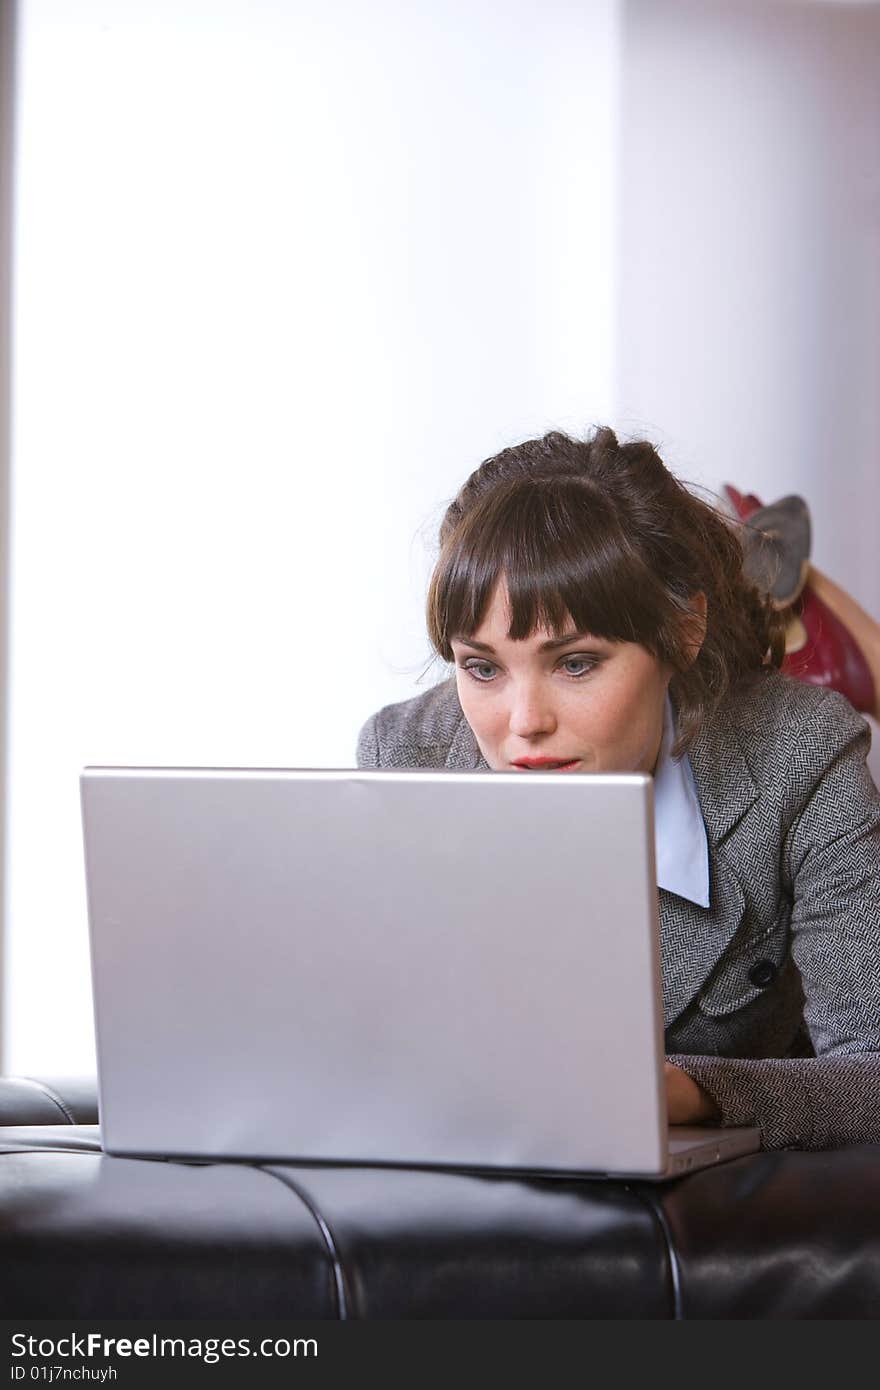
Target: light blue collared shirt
{"points": [[681, 846]]}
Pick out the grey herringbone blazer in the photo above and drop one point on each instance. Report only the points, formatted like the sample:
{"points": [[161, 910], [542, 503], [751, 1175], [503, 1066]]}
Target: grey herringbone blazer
{"points": [[772, 993]]}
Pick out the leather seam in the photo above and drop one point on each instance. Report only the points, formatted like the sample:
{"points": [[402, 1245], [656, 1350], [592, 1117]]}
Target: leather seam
{"points": [[339, 1281], [54, 1097], [649, 1199], [46, 1149]]}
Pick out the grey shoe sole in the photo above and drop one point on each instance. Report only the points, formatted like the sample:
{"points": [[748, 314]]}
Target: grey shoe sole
{"points": [[776, 549]]}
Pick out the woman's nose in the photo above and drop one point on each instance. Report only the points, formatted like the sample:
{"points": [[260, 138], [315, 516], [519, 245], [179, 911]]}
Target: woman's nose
{"points": [[531, 712]]}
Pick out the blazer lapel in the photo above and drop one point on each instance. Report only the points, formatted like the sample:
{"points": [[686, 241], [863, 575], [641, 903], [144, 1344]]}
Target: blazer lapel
{"points": [[693, 938], [464, 753], [725, 785]]}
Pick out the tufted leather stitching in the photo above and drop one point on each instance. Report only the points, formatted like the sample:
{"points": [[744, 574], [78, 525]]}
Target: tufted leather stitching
{"points": [[54, 1097], [649, 1198], [342, 1297]]}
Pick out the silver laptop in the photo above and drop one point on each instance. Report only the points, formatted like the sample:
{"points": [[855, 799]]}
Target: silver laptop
{"points": [[405, 967]]}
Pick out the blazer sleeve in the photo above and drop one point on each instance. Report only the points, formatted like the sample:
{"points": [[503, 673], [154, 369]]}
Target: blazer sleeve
{"points": [[831, 855], [368, 744]]}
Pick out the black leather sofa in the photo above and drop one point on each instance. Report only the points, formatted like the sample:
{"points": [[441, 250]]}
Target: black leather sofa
{"points": [[775, 1235]]}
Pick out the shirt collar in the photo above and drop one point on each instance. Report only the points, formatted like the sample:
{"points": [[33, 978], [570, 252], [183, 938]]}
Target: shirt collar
{"points": [[682, 849]]}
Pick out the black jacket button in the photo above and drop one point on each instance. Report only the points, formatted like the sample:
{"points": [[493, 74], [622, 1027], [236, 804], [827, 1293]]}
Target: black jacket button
{"points": [[762, 973]]}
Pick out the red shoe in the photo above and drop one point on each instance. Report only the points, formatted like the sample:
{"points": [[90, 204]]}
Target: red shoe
{"points": [[743, 503], [830, 655], [827, 654]]}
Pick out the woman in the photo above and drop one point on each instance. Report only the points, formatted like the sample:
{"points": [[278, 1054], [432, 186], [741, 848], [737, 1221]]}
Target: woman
{"points": [[599, 620]]}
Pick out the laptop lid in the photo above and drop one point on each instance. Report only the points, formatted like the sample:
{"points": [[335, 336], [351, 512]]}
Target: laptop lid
{"points": [[413, 967]]}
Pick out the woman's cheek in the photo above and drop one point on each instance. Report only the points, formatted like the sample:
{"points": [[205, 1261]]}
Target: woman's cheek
{"points": [[478, 712], [617, 735]]}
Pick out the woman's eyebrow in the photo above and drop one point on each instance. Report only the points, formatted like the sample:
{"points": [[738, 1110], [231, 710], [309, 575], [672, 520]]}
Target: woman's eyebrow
{"points": [[550, 645]]}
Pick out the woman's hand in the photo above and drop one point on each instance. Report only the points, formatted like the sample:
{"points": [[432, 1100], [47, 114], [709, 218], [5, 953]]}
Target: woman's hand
{"points": [[687, 1102]]}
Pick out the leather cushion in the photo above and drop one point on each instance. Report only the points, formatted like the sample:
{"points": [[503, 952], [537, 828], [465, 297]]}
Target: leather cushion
{"points": [[86, 1235], [778, 1235], [51, 1101], [418, 1243]]}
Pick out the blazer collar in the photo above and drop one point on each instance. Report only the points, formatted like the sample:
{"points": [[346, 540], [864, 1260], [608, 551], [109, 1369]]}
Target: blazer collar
{"points": [[464, 753], [724, 781], [692, 938]]}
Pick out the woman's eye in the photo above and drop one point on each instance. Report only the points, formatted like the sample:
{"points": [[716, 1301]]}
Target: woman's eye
{"points": [[480, 670], [578, 665]]}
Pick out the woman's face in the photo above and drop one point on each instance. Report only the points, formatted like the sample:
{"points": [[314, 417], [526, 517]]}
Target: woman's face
{"points": [[583, 703]]}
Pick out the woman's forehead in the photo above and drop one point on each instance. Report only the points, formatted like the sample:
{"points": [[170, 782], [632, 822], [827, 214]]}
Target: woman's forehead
{"points": [[498, 613], [496, 623]]}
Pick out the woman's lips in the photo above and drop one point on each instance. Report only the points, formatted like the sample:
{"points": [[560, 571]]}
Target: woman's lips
{"points": [[545, 765]]}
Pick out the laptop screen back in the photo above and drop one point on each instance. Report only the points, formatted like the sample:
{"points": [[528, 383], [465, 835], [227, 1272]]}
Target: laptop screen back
{"points": [[413, 967]]}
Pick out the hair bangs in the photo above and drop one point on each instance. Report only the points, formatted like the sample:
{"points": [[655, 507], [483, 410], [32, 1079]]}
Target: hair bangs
{"points": [[558, 548]]}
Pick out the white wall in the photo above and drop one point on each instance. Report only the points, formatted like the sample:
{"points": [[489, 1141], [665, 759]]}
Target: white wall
{"points": [[285, 273], [750, 245], [7, 122]]}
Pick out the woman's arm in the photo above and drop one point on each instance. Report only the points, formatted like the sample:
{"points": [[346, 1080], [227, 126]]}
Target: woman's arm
{"points": [[803, 1103], [832, 857], [686, 1102], [368, 744]]}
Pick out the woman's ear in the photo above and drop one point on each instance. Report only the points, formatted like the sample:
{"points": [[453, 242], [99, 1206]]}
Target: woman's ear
{"points": [[695, 626]]}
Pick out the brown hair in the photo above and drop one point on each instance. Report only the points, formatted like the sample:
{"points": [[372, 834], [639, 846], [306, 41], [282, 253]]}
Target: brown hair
{"points": [[601, 532]]}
